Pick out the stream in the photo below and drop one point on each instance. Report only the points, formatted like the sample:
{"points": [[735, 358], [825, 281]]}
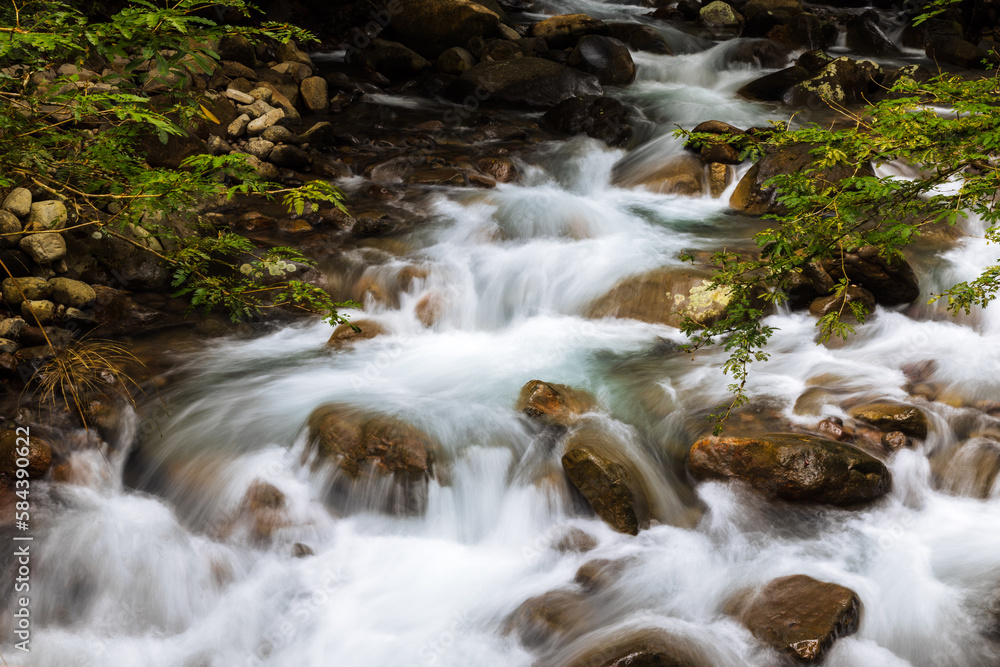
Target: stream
{"points": [[163, 571]]}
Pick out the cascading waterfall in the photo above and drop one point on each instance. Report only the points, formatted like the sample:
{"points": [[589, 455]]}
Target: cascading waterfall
{"points": [[174, 576]]}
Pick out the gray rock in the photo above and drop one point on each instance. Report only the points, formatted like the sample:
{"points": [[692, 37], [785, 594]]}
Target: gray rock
{"points": [[256, 110], [315, 94], [263, 94], [238, 126], [18, 202], [265, 170], [218, 145], [290, 53], [237, 96], [44, 248], [42, 310], [8, 346], [72, 293], [46, 216], [11, 327], [16, 290], [10, 228], [272, 117], [279, 134], [259, 148]]}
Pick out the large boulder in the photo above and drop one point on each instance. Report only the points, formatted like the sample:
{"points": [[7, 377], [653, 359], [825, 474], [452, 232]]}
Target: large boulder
{"points": [[533, 82], [605, 57], [553, 616], [366, 448], [719, 14], [603, 118], [753, 198], [682, 174], [598, 466], [773, 87], [640, 37], [646, 647], [393, 59], [797, 468], [888, 416], [957, 51], [865, 36], [430, 27], [800, 616], [663, 296], [891, 281], [553, 404], [842, 81], [564, 31]]}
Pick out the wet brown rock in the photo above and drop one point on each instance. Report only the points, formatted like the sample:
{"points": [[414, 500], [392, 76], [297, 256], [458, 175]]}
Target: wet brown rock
{"points": [[554, 404], [753, 198], [455, 61], [825, 305], [393, 59], [346, 334], [533, 82], [31, 450], [605, 57], [500, 168], [430, 27], [430, 308], [719, 177], [894, 440], [971, 469], [834, 430], [891, 281], [775, 86], [264, 506], [648, 647], [795, 468], [678, 175], [603, 118], [801, 616], [565, 31], [640, 37], [600, 573], [577, 540], [599, 468], [552, 615], [889, 416], [663, 296]]}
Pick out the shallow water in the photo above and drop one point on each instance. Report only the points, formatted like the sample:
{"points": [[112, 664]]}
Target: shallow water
{"points": [[171, 576]]}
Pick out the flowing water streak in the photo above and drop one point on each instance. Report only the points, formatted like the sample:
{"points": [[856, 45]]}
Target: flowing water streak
{"points": [[175, 580]]}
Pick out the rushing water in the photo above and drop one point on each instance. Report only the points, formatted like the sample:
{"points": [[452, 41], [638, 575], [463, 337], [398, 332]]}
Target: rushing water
{"points": [[173, 578]]}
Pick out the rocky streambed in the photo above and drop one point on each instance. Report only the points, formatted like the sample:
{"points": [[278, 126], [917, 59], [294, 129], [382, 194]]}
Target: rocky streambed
{"points": [[508, 461]]}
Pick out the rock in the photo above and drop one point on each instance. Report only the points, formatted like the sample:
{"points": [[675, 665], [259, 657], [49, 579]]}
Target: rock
{"points": [[720, 150], [865, 36], [753, 198], [719, 14], [259, 148], [239, 97], [957, 51], [393, 59], [381, 445], [46, 216], [802, 617], [887, 416], [682, 175], [11, 327], [796, 468], [238, 126], [42, 311], [553, 404], [556, 615], [438, 176], [640, 37], [825, 305], [894, 440], [500, 49], [790, 7], [605, 57], [8, 346], [279, 134], [775, 86], [263, 506], [533, 82], [431, 27], [33, 450], [891, 281], [598, 467], [44, 248], [841, 81], [119, 314], [16, 290], [289, 52], [290, 157], [455, 61], [663, 296], [805, 31], [18, 202], [72, 293], [234, 70], [300, 550], [272, 117], [237, 48], [295, 71], [265, 170], [598, 574], [345, 334], [603, 118], [564, 31], [501, 169], [646, 647], [575, 540], [322, 133], [719, 177]]}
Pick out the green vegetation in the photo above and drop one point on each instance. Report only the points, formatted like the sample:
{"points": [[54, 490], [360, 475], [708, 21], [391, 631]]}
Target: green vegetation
{"points": [[948, 127], [78, 137]]}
